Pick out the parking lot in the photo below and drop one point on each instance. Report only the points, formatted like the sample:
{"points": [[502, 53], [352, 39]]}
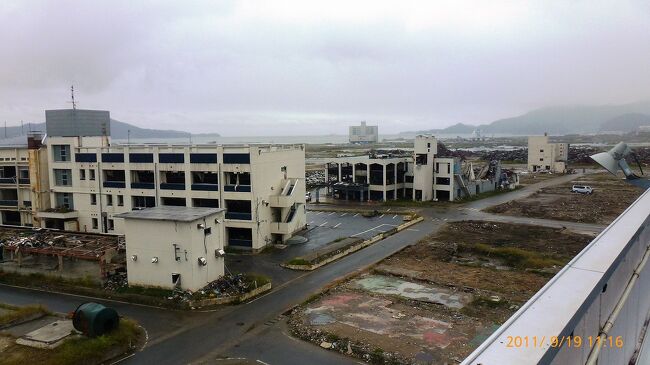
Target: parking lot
{"points": [[325, 227]]}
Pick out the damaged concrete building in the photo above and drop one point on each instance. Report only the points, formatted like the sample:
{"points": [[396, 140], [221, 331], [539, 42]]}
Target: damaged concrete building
{"points": [[65, 254], [76, 179], [422, 176]]}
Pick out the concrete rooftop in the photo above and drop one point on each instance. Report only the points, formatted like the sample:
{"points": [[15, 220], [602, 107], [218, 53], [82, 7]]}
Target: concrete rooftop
{"points": [[171, 213]]}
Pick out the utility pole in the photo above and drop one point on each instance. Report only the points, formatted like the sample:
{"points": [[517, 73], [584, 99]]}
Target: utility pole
{"points": [[128, 136]]}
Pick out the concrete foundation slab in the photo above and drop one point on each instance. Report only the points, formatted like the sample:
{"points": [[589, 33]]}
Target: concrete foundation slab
{"points": [[49, 336], [393, 286]]}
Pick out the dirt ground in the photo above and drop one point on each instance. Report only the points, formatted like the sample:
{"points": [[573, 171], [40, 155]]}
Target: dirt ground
{"points": [[530, 178], [434, 302], [610, 198]]}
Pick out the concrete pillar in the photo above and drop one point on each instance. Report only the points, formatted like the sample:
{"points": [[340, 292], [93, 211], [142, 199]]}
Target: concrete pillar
{"points": [[327, 179], [395, 180], [339, 171], [383, 175], [354, 178], [361, 195], [60, 263]]}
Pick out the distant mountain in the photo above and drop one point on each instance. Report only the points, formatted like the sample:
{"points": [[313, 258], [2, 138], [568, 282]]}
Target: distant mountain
{"points": [[560, 120], [458, 128], [626, 123], [119, 130]]}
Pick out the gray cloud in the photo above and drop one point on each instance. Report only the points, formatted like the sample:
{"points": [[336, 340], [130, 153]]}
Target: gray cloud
{"points": [[287, 67]]}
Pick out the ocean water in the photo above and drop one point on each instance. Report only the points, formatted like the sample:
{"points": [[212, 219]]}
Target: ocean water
{"points": [[324, 139]]}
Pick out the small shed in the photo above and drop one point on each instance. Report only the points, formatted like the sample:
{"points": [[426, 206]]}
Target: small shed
{"points": [[174, 247]]}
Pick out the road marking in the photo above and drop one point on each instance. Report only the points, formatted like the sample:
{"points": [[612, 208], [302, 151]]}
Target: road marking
{"points": [[331, 213], [262, 362], [412, 229], [312, 222], [344, 214], [323, 224], [318, 213], [338, 224], [395, 216], [368, 230], [356, 215], [381, 216], [389, 209]]}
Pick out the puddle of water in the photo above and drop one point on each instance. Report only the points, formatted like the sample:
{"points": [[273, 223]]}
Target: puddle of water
{"points": [[426, 293], [319, 319]]}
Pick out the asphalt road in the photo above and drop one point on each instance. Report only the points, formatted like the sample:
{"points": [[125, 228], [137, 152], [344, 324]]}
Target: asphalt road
{"points": [[253, 330]]}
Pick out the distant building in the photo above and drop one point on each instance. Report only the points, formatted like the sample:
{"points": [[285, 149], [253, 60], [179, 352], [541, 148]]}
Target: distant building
{"points": [[174, 247], [422, 176], [364, 133], [545, 156]]}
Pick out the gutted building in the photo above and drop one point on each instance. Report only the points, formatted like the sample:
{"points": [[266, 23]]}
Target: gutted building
{"points": [[422, 176], [546, 156]]}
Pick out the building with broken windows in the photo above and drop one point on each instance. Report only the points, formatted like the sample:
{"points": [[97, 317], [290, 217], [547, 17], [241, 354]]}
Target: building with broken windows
{"points": [[86, 181], [546, 156], [421, 176]]}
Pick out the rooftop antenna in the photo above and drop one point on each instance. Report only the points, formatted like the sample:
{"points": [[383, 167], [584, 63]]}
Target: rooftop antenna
{"points": [[74, 104]]}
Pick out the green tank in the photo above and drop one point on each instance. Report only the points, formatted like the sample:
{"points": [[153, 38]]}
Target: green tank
{"points": [[94, 319]]}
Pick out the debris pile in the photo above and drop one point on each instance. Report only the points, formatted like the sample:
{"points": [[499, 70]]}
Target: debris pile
{"points": [[228, 285], [36, 238], [518, 155], [116, 281], [52, 242]]}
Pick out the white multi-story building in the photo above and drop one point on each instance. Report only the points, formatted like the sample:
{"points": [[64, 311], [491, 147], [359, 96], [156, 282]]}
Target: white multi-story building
{"points": [[545, 156], [423, 176], [91, 181], [364, 133]]}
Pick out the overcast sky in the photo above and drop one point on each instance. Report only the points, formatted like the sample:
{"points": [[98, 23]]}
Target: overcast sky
{"points": [[303, 67]]}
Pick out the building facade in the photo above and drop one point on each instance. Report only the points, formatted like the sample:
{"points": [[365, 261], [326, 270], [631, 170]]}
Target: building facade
{"points": [[422, 176], [545, 156], [364, 133], [86, 181]]}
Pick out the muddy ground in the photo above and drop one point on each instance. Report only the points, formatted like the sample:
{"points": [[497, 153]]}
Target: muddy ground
{"points": [[436, 301], [610, 198]]}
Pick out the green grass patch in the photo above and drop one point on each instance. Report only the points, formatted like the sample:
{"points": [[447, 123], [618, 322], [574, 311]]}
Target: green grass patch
{"points": [[145, 290], [484, 195], [260, 280], [11, 278], [298, 261], [93, 350], [20, 313], [512, 256]]}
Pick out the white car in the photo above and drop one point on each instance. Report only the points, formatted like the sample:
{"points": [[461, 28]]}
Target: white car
{"points": [[308, 196], [582, 189]]}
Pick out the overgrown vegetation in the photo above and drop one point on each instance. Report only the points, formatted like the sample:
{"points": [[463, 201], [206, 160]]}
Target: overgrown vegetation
{"points": [[17, 314], [512, 256], [82, 350], [11, 278]]}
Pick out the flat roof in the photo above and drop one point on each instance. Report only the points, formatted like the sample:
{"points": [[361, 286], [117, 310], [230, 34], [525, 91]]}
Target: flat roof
{"points": [[171, 213]]}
